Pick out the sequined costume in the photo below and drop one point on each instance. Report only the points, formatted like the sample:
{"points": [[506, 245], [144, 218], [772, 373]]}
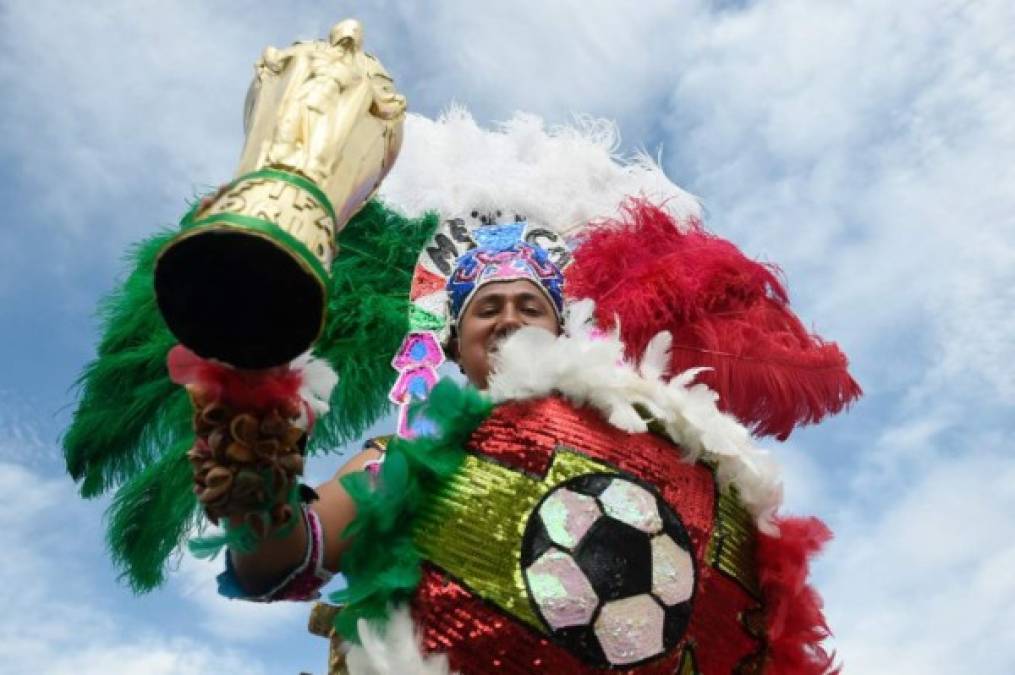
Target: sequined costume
{"points": [[566, 545]]}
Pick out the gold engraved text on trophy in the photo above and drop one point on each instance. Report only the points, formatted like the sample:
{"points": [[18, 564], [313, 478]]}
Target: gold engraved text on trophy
{"points": [[293, 210]]}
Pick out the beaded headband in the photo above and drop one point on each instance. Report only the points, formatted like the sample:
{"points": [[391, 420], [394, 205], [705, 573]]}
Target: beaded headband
{"points": [[503, 256], [461, 257]]}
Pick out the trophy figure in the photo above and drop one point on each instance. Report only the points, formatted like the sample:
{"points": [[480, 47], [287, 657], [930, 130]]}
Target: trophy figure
{"points": [[245, 282]]}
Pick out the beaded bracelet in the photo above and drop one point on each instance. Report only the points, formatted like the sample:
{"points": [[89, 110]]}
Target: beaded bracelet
{"points": [[302, 583]]}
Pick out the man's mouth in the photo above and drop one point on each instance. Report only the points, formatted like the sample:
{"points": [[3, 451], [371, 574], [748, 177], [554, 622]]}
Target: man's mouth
{"points": [[495, 344]]}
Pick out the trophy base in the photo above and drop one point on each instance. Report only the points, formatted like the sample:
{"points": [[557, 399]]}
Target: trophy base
{"points": [[239, 296]]}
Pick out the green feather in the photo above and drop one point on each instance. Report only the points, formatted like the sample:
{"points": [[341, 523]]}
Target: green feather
{"points": [[129, 411], [132, 424], [381, 565], [368, 316], [150, 517], [241, 539]]}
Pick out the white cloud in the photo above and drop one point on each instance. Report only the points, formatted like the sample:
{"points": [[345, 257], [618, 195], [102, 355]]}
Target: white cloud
{"points": [[836, 139], [53, 619], [928, 585], [919, 577], [146, 657], [868, 148], [110, 95], [20, 439], [122, 114], [234, 621], [556, 59], [804, 485]]}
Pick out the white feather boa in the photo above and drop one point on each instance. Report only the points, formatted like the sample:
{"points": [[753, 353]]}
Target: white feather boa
{"points": [[319, 379], [395, 651], [589, 370]]}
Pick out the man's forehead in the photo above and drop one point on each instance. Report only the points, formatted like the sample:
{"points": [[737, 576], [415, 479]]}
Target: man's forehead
{"points": [[511, 288]]}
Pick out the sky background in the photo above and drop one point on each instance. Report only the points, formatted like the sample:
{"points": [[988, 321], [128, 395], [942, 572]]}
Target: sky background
{"points": [[867, 147]]}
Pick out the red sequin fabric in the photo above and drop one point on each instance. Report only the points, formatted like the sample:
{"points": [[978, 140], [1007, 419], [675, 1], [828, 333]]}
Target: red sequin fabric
{"points": [[480, 637]]}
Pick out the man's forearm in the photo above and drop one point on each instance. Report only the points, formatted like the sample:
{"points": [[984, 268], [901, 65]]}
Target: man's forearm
{"points": [[263, 568]]}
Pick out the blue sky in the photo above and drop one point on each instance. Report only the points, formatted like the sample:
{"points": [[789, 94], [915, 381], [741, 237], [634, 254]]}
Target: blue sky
{"points": [[866, 147]]}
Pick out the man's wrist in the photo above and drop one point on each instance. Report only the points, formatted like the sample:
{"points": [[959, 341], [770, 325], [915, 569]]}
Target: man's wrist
{"points": [[301, 582]]}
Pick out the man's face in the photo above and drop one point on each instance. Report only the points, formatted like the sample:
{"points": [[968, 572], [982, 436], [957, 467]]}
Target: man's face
{"points": [[496, 310]]}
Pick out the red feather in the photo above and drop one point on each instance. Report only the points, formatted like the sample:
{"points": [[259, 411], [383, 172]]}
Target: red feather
{"points": [[795, 625], [725, 311], [247, 390]]}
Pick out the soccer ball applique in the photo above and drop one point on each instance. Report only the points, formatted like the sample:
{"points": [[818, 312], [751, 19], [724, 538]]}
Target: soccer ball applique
{"points": [[608, 568]]}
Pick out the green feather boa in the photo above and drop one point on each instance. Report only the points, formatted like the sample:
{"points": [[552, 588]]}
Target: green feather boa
{"points": [[381, 565]]}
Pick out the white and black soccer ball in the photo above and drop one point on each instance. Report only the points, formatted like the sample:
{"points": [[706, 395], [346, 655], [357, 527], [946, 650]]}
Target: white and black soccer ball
{"points": [[609, 569]]}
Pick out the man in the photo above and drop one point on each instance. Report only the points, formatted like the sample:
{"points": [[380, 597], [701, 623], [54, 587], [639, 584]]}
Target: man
{"points": [[585, 398], [494, 291]]}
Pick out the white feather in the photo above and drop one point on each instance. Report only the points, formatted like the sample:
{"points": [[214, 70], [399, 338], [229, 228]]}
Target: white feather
{"points": [[562, 177], [656, 356], [319, 379], [588, 368], [395, 651], [578, 318]]}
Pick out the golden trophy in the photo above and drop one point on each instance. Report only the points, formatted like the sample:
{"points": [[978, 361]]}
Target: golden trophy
{"points": [[246, 280]]}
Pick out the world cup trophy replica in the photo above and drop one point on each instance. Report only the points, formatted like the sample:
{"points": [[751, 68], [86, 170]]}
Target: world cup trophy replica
{"points": [[226, 303], [246, 280]]}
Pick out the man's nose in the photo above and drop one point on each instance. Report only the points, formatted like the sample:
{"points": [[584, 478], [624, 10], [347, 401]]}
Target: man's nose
{"points": [[510, 320]]}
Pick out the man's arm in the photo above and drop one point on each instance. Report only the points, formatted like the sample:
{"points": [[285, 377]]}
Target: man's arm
{"points": [[260, 570]]}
